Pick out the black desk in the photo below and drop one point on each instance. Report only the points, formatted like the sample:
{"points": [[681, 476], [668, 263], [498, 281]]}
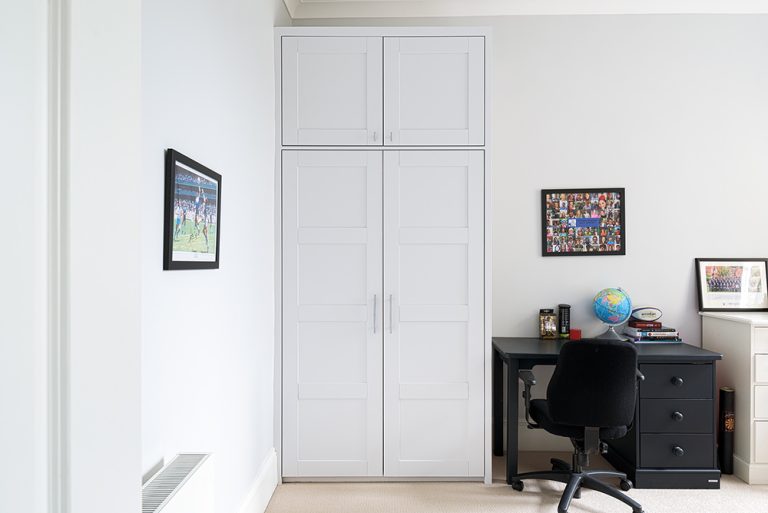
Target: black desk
{"points": [[642, 454]]}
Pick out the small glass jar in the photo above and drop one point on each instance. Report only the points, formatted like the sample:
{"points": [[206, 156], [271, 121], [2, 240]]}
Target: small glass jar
{"points": [[547, 324]]}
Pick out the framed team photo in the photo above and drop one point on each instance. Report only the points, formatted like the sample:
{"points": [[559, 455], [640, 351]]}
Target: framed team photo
{"points": [[192, 214], [732, 284], [583, 222]]}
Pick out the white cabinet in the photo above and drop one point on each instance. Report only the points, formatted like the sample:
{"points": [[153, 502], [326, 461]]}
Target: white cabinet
{"points": [[332, 91], [434, 90], [383, 302], [332, 313], [742, 338], [348, 315], [395, 91], [433, 285]]}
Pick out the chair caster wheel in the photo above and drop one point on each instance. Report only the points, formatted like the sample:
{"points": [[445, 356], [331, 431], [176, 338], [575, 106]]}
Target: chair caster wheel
{"points": [[517, 485], [625, 485]]}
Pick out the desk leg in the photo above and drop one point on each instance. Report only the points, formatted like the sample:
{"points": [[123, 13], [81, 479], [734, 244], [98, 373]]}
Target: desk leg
{"points": [[513, 391], [498, 404]]}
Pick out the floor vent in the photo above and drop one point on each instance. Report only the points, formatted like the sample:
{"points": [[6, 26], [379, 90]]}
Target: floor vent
{"points": [[159, 491]]}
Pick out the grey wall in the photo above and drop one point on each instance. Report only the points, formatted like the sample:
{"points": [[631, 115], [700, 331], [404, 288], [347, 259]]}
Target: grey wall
{"points": [[673, 108]]}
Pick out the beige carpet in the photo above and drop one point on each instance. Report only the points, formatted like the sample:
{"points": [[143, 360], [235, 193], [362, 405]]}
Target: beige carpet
{"points": [[735, 496]]}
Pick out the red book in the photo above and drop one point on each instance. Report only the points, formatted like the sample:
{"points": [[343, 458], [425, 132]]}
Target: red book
{"points": [[646, 325]]}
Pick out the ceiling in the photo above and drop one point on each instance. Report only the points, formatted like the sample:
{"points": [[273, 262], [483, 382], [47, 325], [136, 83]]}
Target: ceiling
{"points": [[440, 8]]}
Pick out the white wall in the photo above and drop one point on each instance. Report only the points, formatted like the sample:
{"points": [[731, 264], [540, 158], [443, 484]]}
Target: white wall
{"points": [[101, 162], [673, 108], [23, 273], [208, 336]]}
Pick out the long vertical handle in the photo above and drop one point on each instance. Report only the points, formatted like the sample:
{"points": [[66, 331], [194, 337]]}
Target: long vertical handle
{"points": [[374, 314], [390, 313]]}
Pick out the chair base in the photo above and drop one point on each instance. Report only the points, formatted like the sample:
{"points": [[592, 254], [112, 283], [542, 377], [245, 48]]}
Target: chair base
{"points": [[576, 480]]}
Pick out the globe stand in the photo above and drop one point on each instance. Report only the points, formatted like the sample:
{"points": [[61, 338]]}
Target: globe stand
{"points": [[610, 334]]}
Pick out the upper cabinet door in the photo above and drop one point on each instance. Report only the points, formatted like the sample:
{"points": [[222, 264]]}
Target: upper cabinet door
{"points": [[434, 90], [332, 91]]}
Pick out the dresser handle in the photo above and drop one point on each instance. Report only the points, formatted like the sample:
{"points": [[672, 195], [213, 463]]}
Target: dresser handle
{"points": [[677, 450], [677, 381], [677, 416]]}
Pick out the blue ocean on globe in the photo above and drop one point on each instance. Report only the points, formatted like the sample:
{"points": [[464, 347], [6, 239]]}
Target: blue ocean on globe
{"points": [[612, 306]]}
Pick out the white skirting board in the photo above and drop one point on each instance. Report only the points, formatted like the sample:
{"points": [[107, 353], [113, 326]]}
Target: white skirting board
{"points": [[263, 487], [756, 473]]}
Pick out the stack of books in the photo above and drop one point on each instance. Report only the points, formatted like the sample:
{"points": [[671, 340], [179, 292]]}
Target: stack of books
{"points": [[651, 332]]}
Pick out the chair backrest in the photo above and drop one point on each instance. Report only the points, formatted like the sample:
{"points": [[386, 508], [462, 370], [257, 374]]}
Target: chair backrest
{"points": [[594, 384]]}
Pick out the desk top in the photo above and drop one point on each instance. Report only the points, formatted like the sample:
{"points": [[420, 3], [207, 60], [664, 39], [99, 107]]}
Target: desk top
{"points": [[521, 348]]}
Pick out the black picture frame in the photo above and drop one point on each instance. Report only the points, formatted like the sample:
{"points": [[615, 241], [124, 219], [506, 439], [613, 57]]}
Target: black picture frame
{"points": [[609, 222], [191, 190], [728, 296]]}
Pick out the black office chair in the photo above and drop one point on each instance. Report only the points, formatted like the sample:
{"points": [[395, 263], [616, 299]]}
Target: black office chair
{"points": [[590, 398]]}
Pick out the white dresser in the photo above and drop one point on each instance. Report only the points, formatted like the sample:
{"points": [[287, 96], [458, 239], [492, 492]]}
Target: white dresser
{"points": [[742, 338], [384, 226]]}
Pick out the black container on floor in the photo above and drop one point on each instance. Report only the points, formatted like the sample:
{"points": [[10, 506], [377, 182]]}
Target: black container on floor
{"points": [[725, 435]]}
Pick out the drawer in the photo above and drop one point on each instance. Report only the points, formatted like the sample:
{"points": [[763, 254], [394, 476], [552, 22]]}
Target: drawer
{"points": [[760, 343], [677, 416], [761, 401], [761, 442], [761, 368], [676, 381], [677, 451]]}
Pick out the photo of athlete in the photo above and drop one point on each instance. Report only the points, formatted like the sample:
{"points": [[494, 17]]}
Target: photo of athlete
{"points": [[193, 214]]}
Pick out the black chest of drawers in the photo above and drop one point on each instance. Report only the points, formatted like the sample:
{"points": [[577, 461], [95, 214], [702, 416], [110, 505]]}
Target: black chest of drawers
{"points": [[672, 443]]}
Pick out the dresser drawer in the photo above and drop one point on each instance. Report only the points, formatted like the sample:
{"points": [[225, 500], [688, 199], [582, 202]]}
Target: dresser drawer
{"points": [[760, 342], [677, 451], [761, 401], [761, 368], [677, 416], [676, 381], [761, 442]]}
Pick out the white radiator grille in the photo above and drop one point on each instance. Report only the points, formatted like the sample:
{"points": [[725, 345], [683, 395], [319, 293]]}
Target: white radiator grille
{"points": [[161, 488]]}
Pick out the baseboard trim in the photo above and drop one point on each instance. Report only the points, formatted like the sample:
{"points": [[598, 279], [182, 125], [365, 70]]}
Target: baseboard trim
{"points": [[755, 473], [263, 487]]}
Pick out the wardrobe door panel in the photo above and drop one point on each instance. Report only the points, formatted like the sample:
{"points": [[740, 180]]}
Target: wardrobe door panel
{"points": [[332, 313], [332, 90], [434, 91], [434, 303]]}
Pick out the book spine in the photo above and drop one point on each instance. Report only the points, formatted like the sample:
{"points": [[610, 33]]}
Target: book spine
{"points": [[655, 340], [648, 325], [651, 333]]}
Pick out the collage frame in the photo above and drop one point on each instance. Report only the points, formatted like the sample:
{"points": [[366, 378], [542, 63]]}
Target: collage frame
{"points": [[570, 192]]}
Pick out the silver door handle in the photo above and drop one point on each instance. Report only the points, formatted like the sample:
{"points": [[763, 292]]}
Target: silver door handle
{"points": [[390, 136], [390, 313], [374, 314], [374, 136]]}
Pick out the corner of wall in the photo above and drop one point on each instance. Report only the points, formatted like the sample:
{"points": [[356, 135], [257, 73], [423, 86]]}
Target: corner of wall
{"points": [[263, 486]]}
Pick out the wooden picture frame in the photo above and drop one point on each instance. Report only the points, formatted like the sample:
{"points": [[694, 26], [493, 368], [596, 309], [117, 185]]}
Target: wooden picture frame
{"points": [[732, 284], [583, 222], [192, 220]]}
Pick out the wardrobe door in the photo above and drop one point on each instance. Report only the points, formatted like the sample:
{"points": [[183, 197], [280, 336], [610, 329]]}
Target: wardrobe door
{"points": [[434, 90], [434, 301], [332, 90], [332, 313]]}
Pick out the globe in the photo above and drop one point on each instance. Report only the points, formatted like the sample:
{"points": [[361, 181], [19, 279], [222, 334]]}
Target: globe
{"points": [[613, 307]]}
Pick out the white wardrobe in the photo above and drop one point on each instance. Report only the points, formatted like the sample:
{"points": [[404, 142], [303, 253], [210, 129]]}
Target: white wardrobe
{"points": [[384, 331]]}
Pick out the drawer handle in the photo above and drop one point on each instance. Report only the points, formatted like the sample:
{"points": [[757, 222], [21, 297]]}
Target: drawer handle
{"points": [[677, 381], [677, 416], [677, 450]]}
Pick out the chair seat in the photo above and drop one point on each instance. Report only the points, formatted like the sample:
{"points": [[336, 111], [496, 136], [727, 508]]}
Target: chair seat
{"points": [[540, 414]]}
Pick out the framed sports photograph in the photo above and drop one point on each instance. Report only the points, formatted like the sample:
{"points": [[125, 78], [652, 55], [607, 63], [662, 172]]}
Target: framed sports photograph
{"points": [[583, 222], [192, 214], [732, 284]]}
